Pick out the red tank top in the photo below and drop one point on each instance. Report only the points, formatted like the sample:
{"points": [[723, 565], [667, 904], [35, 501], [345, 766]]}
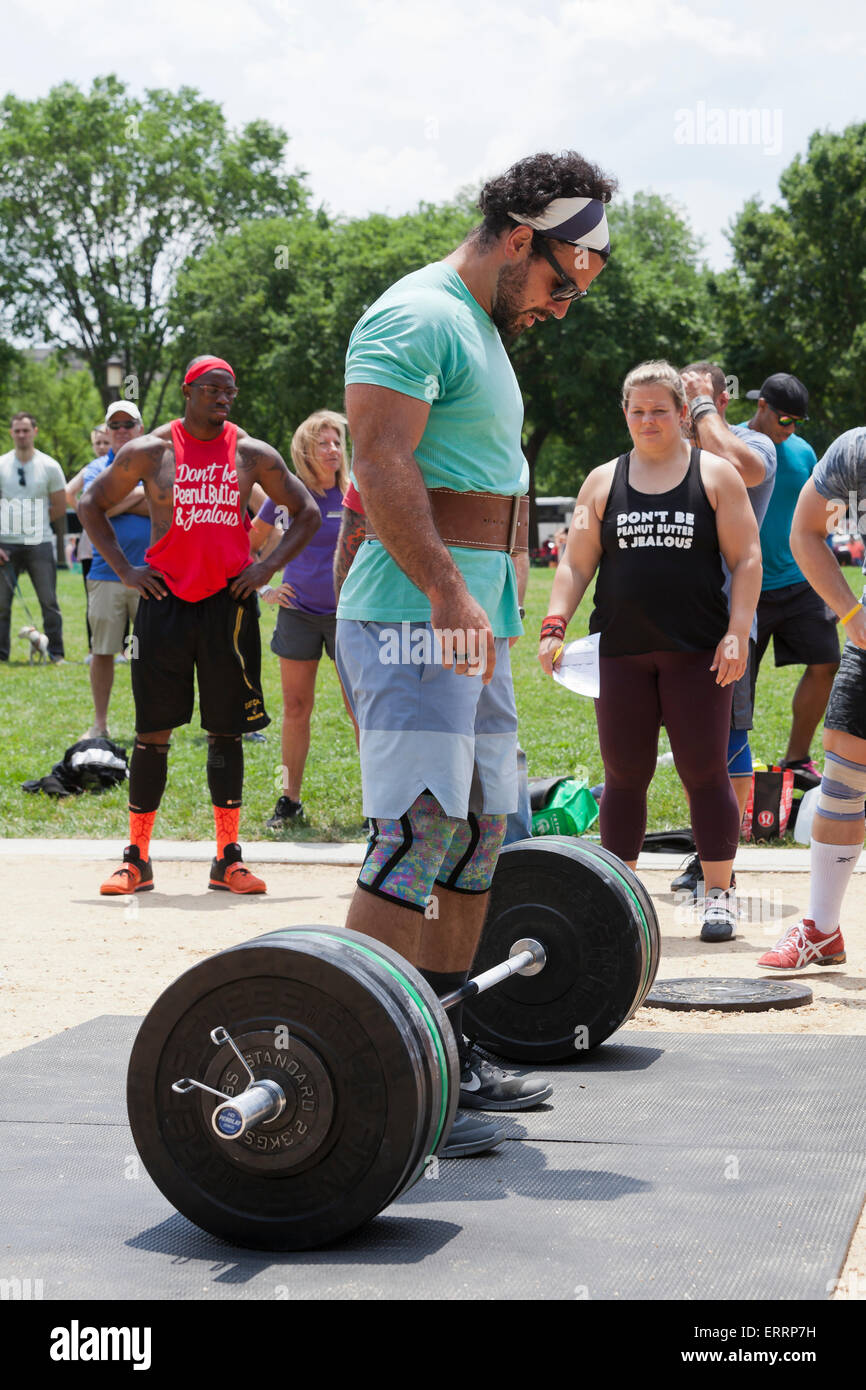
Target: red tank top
{"points": [[208, 542]]}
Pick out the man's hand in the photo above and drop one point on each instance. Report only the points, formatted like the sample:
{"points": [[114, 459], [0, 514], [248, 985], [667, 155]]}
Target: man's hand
{"points": [[4, 558], [463, 631], [250, 579], [855, 630], [698, 384], [730, 657], [149, 582]]}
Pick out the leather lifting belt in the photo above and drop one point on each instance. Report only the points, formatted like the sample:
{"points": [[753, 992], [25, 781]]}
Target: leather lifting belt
{"points": [[478, 520]]}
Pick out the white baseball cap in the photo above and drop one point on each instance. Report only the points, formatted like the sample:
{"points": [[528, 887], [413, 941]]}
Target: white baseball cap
{"points": [[123, 408]]}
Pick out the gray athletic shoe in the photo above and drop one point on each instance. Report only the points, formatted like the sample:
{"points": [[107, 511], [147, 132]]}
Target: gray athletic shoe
{"points": [[484, 1086], [470, 1134]]}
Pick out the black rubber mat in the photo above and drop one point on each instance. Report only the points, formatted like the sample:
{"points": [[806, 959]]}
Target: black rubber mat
{"points": [[669, 1166]]}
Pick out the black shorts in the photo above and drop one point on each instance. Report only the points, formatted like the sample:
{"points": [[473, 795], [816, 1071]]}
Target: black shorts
{"points": [[801, 625], [218, 638], [846, 708]]}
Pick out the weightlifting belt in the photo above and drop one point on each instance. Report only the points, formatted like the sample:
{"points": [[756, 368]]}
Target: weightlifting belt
{"points": [[477, 520]]}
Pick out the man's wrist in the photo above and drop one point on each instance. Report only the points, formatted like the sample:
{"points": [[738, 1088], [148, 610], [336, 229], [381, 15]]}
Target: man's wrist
{"points": [[702, 405]]}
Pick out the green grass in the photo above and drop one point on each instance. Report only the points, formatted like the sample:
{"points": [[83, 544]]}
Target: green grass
{"points": [[44, 709]]}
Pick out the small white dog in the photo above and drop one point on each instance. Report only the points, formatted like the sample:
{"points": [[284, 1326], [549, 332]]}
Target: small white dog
{"points": [[38, 644]]}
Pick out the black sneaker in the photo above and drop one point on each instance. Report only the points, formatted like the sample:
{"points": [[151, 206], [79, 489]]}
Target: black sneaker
{"points": [[719, 922], [286, 812], [470, 1135], [691, 880], [687, 881], [484, 1086]]}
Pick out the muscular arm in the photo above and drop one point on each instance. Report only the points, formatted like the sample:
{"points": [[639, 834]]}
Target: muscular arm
{"points": [[818, 563], [386, 428], [258, 463], [712, 432], [353, 529], [138, 459]]}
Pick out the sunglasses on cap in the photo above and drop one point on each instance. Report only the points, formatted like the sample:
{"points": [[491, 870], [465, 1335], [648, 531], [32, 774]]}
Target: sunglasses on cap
{"points": [[568, 289]]}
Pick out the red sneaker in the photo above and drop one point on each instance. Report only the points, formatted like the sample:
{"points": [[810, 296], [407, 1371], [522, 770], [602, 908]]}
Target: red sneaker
{"points": [[802, 945], [232, 875], [135, 875]]}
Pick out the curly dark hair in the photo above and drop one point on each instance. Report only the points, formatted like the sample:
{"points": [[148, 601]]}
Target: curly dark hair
{"points": [[530, 184]]}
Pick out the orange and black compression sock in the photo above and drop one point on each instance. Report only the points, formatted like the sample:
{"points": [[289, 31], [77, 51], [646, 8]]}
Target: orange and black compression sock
{"points": [[225, 777], [227, 820]]}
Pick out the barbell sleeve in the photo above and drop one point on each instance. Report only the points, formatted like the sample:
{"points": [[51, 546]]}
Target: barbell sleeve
{"points": [[526, 957]]}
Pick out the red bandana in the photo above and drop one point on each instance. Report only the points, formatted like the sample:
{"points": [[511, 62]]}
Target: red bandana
{"points": [[207, 364]]}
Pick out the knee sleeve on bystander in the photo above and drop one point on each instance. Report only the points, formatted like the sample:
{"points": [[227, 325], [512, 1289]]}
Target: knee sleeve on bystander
{"points": [[405, 855], [225, 769], [469, 865], [148, 769], [843, 789]]}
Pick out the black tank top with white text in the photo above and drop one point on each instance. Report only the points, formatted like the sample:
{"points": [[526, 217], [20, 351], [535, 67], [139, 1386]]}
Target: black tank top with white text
{"points": [[660, 580]]}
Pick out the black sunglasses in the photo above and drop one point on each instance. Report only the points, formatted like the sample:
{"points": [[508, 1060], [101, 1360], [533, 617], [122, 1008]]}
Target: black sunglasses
{"points": [[122, 424], [568, 289]]}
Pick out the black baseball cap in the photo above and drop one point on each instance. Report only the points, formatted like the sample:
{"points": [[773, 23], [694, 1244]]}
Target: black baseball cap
{"points": [[784, 393]]}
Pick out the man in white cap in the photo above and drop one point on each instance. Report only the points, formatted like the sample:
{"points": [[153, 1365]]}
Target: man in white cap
{"points": [[111, 606], [436, 416]]}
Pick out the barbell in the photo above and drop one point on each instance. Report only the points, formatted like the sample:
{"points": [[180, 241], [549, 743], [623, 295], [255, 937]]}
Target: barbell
{"points": [[285, 1091]]}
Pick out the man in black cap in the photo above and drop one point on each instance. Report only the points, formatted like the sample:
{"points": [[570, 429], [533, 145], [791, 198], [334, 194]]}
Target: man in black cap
{"points": [[803, 628]]}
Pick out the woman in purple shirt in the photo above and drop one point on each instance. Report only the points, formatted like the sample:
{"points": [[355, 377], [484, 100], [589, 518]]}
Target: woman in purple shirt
{"points": [[307, 620]]}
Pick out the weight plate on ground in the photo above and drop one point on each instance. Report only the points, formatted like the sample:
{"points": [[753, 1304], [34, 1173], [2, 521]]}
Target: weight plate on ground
{"points": [[728, 995], [366, 1064], [597, 946], [646, 904]]}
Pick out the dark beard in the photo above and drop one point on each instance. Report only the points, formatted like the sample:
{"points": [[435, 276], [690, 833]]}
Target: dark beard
{"points": [[506, 310]]}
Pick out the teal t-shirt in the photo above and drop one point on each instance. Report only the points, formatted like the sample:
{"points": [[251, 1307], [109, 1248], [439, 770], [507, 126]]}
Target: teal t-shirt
{"points": [[795, 460], [427, 338]]}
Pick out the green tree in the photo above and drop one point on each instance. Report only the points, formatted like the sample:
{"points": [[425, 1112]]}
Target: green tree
{"points": [[66, 405], [795, 299], [279, 300], [103, 195]]}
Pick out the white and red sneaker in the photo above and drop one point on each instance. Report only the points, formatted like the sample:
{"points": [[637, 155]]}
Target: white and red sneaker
{"points": [[803, 945]]}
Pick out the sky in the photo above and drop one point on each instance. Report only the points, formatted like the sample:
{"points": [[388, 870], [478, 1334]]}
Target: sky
{"points": [[392, 102]]}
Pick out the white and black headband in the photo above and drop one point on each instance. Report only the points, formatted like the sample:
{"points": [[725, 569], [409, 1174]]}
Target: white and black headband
{"points": [[581, 221]]}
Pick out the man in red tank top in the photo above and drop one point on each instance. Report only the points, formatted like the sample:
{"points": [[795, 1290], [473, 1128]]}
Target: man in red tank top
{"points": [[200, 615]]}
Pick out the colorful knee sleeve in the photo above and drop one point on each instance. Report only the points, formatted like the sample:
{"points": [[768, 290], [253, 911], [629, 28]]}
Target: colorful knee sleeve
{"points": [[404, 855], [471, 859], [843, 788]]}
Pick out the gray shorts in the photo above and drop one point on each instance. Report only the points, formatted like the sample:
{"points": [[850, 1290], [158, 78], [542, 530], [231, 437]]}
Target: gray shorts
{"points": [[423, 727], [301, 636], [111, 608]]}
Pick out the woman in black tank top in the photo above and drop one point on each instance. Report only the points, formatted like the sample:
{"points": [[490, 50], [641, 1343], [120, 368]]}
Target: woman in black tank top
{"points": [[655, 524]]}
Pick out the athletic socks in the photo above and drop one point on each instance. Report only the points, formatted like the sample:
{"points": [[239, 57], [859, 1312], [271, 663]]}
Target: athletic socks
{"points": [[148, 769], [227, 820], [831, 870], [440, 984], [140, 831]]}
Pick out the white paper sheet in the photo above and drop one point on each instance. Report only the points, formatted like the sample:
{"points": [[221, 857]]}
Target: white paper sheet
{"points": [[578, 666]]}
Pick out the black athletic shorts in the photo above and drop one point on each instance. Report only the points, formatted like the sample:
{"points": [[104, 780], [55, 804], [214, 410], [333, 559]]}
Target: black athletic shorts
{"points": [[801, 625], [218, 638], [846, 708]]}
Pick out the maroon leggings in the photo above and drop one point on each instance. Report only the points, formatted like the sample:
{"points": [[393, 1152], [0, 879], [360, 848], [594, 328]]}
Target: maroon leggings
{"points": [[637, 695]]}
